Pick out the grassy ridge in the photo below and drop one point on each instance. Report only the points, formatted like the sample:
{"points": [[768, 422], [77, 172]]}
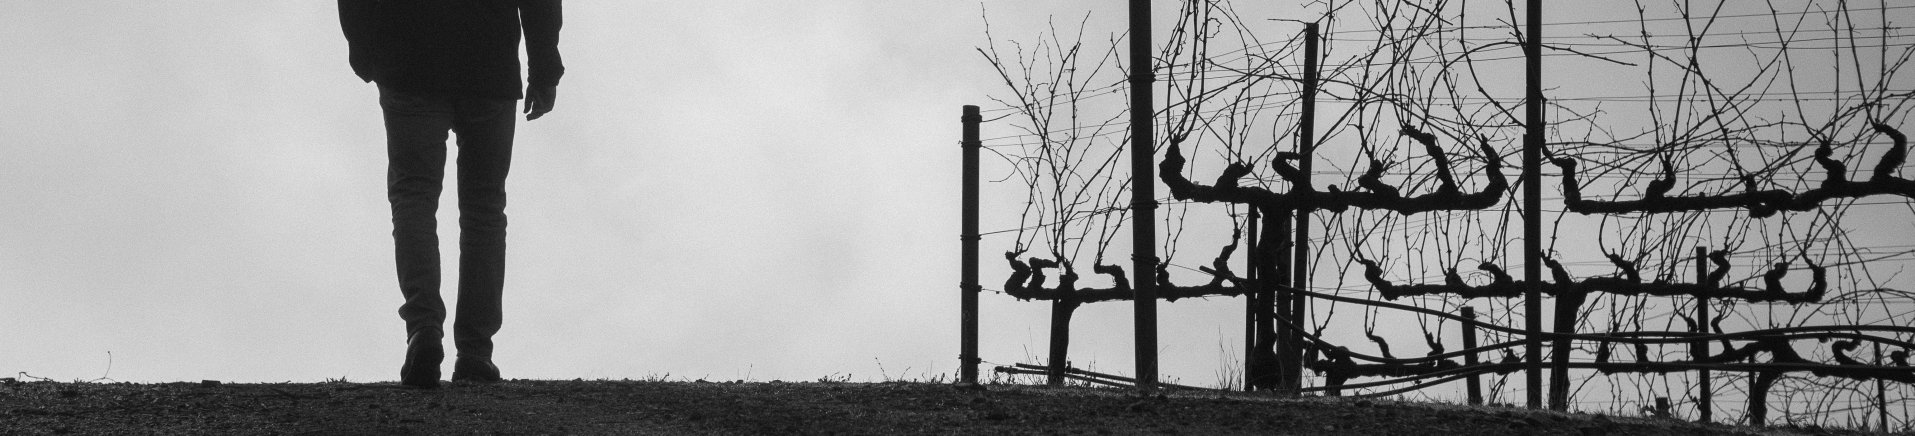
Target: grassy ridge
{"points": [[656, 407]]}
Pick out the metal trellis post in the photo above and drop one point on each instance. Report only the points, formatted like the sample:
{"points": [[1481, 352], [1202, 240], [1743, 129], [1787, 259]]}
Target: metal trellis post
{"points": [[1881, 391], [1143, 197], [1252, 300], [968, 287], [1281, 261], [1469, 360], [1700, 349]]}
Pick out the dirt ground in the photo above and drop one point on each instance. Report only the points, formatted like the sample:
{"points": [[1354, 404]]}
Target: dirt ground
{"points": [[656, 407]]}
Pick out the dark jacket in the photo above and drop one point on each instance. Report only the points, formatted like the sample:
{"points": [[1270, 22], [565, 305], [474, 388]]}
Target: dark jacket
{"points": [[466, 48]]}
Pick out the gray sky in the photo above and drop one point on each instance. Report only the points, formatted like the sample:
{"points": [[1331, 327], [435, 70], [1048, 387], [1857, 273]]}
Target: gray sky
{"points": [[732, 190], [727, 190]]}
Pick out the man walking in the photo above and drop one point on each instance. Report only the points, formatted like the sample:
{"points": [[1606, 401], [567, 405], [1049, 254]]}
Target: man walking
{"points": [[452, 65]]}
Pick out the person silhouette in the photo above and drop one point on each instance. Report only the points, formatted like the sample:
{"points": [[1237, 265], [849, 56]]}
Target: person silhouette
{"points": [[452, 65]]}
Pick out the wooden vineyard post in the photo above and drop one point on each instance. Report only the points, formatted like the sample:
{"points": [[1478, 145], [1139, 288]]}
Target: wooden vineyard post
{"points": [[1568, 303], [1533, 202], [1292, 378], [1469, 360], [1280, 273], [968, 288], [1264, 260], [1143, 200], [1700, 348]]}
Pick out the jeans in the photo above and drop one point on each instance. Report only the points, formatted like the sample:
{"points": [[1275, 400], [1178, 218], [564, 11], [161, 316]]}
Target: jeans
{"points": [[416, 127]]}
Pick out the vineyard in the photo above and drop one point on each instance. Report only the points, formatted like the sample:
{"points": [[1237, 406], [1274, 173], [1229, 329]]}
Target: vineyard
{"points": [[1668, 208]]}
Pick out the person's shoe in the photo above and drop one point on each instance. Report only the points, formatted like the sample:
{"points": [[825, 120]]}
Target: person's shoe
{"points": [[475, 369], [424, 353]]}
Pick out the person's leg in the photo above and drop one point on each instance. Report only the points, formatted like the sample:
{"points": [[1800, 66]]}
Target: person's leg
{"points": [[485, 129], [415, 150]]}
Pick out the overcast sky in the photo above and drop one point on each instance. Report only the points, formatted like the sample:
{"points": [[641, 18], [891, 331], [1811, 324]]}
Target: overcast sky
{"points": [[727, 190]]}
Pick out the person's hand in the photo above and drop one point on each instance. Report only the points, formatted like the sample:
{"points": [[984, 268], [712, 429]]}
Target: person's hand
{"points": [[538, 101]]}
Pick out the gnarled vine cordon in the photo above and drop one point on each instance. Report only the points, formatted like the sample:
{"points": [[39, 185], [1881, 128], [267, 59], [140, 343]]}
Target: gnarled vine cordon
{"points": [[1760, 202], [1375, 194], [1629, 283]]}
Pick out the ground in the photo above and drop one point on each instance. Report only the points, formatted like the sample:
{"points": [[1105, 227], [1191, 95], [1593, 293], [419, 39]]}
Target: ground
{"points": [[661, 407]]}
